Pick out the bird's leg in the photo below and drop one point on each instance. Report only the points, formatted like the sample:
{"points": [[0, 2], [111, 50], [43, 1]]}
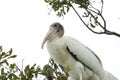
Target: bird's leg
{"points": [[76, 72], [80, 70], [70, 78], [94, 77], [80, 76]]}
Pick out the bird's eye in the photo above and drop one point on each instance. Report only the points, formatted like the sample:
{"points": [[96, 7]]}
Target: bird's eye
{"points": [[55, 25]]}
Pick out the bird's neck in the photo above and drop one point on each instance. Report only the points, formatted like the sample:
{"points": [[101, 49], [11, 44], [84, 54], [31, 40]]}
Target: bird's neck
{"points": [[54, 38]]}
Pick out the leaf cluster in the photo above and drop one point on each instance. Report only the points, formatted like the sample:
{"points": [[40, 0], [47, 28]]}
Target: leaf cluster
{"points": [[6, 69], [88, 11], [61, 7], [29, 72], [91, 15], [4, 56], [10, 71], [53, 71]]}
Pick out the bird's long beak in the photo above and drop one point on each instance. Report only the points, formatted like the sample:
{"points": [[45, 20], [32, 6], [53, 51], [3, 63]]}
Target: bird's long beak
{"points": [[47, 37]]}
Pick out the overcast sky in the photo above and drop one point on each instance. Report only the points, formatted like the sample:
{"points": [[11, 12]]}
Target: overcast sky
{"points": [[24, 23]]}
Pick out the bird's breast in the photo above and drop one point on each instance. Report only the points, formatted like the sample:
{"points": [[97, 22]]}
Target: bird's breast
{"points": [[58, 51]]}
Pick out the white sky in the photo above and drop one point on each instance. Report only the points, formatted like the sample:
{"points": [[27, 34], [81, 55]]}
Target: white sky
{"points": [[24, 23]]}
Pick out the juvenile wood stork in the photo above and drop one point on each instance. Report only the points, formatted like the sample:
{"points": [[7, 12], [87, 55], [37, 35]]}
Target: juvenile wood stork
{"points": [[83, 63]]}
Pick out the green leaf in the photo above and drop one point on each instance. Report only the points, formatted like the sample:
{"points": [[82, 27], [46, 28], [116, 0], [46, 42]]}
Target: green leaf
{"points": [[15, 76], [27, 69], [0, 48], [2, 54], [13, 56], [10, 52], [22, 76], [33, 67], [46, 1], [55, 66], [4, 61], [93, 26], [2, 71], [12, 66], [85, 14], [67, 8]]}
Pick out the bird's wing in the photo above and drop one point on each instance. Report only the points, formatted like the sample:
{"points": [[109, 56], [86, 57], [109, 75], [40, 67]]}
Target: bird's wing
{"points": [[84, 55]]}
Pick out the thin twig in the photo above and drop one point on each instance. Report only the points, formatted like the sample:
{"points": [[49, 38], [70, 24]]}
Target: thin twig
{"points": [[103, 27], [99, 14], [84, 22], [102, 6]]}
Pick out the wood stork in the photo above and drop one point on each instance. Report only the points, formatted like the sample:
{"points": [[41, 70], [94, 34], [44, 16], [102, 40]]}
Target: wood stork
{"points": [[83, 63]]}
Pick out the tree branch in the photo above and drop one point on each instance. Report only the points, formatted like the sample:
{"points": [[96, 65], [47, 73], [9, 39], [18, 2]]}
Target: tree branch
{"points": [[99, 13], [84, 22], [112, 33]]}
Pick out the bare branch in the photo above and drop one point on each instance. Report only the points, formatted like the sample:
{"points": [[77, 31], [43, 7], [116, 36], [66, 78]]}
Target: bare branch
{"points": [[111, 33], [102, 6], [99, 13], [84, 22]]}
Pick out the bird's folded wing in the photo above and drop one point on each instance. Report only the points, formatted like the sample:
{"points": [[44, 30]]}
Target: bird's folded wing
{"points": [[84, 55]]}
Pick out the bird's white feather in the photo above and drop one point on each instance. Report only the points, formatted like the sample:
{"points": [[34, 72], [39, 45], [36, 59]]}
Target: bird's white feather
{"points": [[89, 66], [82, 63], [110, 76], [58, 51], [85, 55]]}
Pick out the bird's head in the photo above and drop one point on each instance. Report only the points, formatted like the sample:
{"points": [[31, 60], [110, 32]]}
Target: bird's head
{"points": [[56, 30]]}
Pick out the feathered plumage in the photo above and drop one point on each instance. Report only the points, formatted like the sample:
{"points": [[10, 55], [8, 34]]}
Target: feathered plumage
{"points": [[83, 63]]}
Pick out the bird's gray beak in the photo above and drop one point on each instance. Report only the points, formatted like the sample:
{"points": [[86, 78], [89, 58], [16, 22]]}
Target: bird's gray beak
{"points": [[47, 37]]}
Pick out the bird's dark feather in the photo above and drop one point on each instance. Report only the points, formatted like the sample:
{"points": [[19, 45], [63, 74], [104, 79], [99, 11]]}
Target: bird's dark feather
{"points": [[75, 57]]}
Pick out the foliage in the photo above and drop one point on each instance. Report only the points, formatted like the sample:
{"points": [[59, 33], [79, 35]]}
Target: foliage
{"points": [[54, 71], [88, 13], [63, 6], [10, 71], [4, 56], [60, 7]]}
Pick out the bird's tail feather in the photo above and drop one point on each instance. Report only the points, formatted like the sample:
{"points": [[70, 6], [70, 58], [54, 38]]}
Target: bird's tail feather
{"points": [[110, 76]]}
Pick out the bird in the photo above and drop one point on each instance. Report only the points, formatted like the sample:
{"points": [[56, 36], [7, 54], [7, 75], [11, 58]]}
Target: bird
{"points": [[82, 63]]}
